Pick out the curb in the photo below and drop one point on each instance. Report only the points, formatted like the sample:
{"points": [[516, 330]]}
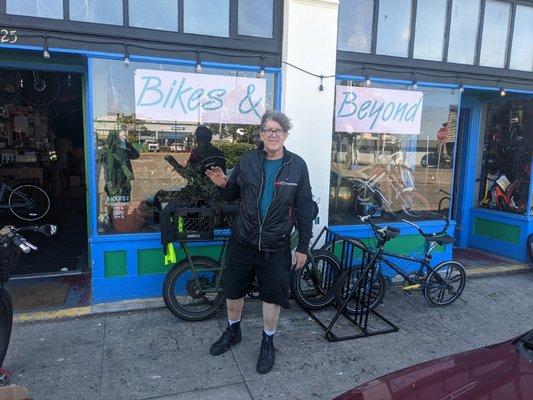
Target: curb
{"points": [[156, 303]]}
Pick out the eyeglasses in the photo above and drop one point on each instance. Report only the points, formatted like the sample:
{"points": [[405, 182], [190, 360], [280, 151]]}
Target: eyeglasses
{"points": [[273, 132]]}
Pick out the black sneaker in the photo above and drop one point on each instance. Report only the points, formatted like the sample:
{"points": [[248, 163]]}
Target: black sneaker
{"points": [[231, 336], [267, 354]]}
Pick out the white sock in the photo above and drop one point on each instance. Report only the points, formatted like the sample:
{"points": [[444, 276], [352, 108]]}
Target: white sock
{"points": [[269, 333], [230, 322]]}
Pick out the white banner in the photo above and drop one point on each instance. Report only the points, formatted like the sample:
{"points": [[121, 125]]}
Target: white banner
{"points": [[362, 109], [198, 98]]}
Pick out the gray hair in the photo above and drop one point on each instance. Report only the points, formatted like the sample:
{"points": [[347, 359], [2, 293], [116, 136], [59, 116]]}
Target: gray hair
{"points": [[277, 116]]}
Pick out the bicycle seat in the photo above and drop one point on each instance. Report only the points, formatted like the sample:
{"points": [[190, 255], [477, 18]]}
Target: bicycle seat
{"points": [[442, 240]]}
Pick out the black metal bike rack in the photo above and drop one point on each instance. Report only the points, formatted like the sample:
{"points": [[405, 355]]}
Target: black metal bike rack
{"points": [[365, 269]]}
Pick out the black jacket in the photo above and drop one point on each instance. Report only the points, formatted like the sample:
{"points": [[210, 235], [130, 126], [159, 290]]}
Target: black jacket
{"points": [[292, 203]]}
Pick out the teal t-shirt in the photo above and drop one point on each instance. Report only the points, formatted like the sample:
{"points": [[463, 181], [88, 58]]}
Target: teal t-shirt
{"points": [[270, 168]]}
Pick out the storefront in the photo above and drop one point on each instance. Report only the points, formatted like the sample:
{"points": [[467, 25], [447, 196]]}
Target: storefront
{"points": [[414, 136]]}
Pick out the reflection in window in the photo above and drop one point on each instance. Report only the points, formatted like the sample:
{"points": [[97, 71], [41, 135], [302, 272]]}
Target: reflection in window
{"points": [[355, 25], [429, 31], [255, 18], [394, 27], [36, 8], [155, 14], [97, 11], [463, 31], [495, 34], [504, 169], [206, 17], [522, 49], [133, 175], [404, 174]]}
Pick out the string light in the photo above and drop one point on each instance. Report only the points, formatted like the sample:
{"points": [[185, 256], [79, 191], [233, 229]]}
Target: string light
{"points": [[198, 66], [126, 56], [321, 87], [461, 86], [414, 85], [46, 53], [368, 82], [261, 73], [502, 91]]}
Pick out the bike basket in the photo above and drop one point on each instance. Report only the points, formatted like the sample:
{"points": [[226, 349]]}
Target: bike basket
{"points": [[193, 223]]}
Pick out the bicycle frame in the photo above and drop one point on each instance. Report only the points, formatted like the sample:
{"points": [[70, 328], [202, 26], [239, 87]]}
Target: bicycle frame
{"points": [[4, 189]]}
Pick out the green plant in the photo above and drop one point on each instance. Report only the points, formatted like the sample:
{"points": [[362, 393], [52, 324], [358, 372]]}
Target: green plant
{"points": [[232, 151]]}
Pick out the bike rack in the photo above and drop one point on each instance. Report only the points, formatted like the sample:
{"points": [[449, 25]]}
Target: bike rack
{"points": [[365, 271]]}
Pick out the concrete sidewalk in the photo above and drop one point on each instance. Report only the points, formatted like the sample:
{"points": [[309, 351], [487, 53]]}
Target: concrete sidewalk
{"points": [[152, 355]]}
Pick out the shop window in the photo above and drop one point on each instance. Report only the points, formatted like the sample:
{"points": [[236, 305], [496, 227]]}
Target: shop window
{"points": [[505, 166], [206, 17], [97, 11], [392, 152], [522, 49], [355, 25], [154, 14], [146, 114], [495, 34], [394, 27], [36, 8], [463, 31], [255, 18], [429, 31]]}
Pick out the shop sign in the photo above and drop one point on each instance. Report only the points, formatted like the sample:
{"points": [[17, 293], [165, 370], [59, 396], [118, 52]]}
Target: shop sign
{"points": [[362, 109], [191, 97]]}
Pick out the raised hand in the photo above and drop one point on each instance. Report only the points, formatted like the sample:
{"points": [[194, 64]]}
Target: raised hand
{"points": [[217, 176]]}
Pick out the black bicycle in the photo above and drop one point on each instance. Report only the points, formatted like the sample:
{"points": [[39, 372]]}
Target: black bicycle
{"points": [[441, 285], [12, 244]]}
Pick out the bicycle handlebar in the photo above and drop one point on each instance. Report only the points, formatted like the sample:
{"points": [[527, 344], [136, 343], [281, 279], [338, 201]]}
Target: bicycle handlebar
{"points": [[12, 233], [427, 235]]}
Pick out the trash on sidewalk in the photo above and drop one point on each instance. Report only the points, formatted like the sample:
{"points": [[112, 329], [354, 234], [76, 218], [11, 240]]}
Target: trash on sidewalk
{"points": [[14, 392]]}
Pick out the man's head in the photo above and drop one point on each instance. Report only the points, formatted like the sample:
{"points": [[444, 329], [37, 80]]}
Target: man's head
{"points": [[203, 134], [275, 127]]}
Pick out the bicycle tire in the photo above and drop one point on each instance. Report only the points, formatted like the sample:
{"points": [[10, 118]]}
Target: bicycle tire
{"points": [[422, 209], [344, 286], [444, 201], [363, 193], [314, 289], [433, 283], [45, 97], [39, 198], [207, 270], [6, 323]]}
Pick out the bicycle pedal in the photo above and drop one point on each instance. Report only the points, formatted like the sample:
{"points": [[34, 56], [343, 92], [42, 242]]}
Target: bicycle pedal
{"points": [[412, 287]]}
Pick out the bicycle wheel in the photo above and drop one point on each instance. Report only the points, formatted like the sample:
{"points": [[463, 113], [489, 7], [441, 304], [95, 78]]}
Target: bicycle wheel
{"points": [[6, 323], [193, 294], [444, 204], [414, 204], [29, 202], [313, 285], [435, 291], [38, 88], [375, 290]]}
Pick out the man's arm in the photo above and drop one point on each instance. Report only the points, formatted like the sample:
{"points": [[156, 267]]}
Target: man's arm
{"points": [[304, 211]]}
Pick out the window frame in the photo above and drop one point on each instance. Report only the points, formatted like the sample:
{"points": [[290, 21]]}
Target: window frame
{"points": [[344, 58]]}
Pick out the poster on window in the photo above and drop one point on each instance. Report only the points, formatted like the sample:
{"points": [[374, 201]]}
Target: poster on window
{"points": [[198, 98], [363, 109]]}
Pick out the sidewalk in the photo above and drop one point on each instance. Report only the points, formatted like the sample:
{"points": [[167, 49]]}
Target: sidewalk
{"points": [[150, 354]]}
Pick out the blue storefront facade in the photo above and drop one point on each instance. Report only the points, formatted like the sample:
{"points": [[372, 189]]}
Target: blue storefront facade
{"points": [[468, 101]]}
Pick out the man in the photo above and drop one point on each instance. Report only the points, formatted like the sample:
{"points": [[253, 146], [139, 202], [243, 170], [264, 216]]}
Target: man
{"points": [[205, 155], [273, 186]]}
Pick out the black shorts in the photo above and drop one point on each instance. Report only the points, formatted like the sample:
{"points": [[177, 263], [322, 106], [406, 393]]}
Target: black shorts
{"points": [[273, 271]]}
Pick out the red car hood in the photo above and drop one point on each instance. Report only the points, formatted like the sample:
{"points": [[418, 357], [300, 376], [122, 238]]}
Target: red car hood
{"points": [[500, 372]]}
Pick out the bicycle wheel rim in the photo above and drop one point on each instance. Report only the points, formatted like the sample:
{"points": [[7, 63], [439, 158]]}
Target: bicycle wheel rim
{"points": [[436, 292], [315, 282], [195, 294], [374, 290], [29, 203], [415, 205]]}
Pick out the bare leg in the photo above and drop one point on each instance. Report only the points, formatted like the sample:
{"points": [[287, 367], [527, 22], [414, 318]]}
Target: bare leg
{"points": [[235, 308], [270, 316]]}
